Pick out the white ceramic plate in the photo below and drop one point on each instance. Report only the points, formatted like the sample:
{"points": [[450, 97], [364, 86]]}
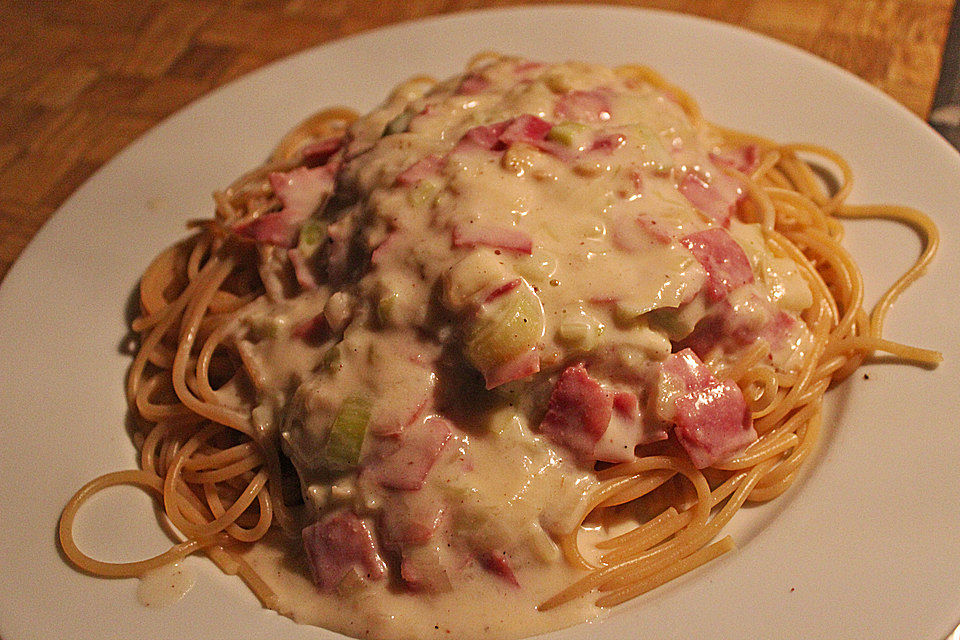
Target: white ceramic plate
{"points": [[867, 546]]}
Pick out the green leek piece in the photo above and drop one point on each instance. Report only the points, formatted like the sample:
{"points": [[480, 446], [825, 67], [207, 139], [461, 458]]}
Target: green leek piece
{"points": [[312, 234], [669, 321], [331, 358], [582, 335], [506, 327], [569, 134], [560, 82], [627, 311], [387, 309], [342, 450], [519, 157], [422, 193], [465, 280], [458, 491], [399, 124], [536, 268], [351, 583], [578, 329], [265, 326], [655, 153]]}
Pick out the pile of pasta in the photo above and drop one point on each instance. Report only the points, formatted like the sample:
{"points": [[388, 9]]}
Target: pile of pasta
{"points": [[223, 484]]}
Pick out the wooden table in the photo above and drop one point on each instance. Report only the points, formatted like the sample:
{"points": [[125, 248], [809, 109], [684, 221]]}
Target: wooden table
{"points": [[81, 79]]}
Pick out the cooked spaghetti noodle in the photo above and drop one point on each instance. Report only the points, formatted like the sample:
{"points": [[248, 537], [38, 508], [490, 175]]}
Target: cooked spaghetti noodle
{"points": [[215, 453]]}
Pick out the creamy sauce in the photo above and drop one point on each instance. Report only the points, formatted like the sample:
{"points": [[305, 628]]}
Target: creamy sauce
{"points": [[479, 608], [165, 585], [496, 244]]}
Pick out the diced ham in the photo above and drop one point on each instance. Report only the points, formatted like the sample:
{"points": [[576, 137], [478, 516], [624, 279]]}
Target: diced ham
{"points": [[779, 330], [626, 403], [318, 153], [506, 238], [743, 159], [707, 334], [533, 131], [527, 66], [483, 137], [404, 462], [472, 84], [427, 167], [711, 417], [525, 128], [526, 364], [714, 199], [377, 255], [496, 563], [713, 423], [337, 544], [606, 144], [302, 270], [300, 191], [723, 259], [578, 412], [503, 289], [499, 135], [313, 330], [584, 106], [688, 370], [734, 326], [277, 228]]}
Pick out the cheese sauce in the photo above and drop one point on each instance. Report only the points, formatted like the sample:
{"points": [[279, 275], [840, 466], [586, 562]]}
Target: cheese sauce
{"points": [[478, 608], [505, 268], [164, 586]]}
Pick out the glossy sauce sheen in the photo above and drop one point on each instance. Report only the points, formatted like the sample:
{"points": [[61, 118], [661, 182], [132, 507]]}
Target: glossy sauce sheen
{"points": [[165, 585], [455, 198]]}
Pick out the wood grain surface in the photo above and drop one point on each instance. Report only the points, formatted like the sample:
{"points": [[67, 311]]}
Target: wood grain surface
{"points": [[81, 79]]}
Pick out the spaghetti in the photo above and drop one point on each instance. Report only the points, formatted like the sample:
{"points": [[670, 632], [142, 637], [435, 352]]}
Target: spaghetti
{"points": [[219, 426]]}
